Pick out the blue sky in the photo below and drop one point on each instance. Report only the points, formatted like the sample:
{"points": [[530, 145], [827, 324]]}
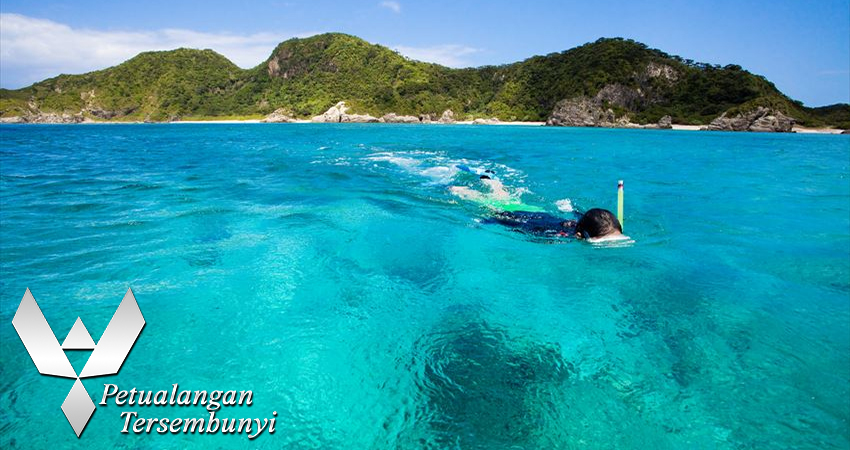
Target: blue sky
{"points": [[803, 47]]}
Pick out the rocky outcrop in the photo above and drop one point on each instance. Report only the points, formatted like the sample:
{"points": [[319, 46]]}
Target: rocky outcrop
{"points": [[619, 95], [447, 117], [845, 132], [42, 117], [333, 114], [490, 121], [105, 114], [394, 118], [597, 111], [581, 112], [280, 115], [357, 118], [592, 112], [760, 119], [663, 71], [339, 114]]}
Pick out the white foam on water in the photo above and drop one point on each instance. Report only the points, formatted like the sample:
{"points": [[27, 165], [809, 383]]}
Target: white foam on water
{"points": [[341, 161], [611, 242], [440, 174], [565, 205], [435, 173], [438, 169], [401, 161]]}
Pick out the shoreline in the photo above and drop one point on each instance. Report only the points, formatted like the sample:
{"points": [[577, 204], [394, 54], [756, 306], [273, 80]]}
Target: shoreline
{"points": [[301, 121], [806, 130], [686, 127], [674, 127]]}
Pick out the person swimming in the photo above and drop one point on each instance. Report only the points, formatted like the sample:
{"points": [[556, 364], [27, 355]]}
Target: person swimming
{"points": [[539, 224], [595, 225]]}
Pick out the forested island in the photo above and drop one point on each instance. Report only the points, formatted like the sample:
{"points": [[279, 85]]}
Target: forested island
{"points": [[609, 82]]}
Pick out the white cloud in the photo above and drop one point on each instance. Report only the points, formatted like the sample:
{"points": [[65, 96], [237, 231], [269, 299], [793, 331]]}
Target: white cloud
{"points": [[391, 5], [451, 55], [33, 49]]}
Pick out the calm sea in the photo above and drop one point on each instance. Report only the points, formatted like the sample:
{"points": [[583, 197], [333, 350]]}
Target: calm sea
{"points": [[327, 269]]}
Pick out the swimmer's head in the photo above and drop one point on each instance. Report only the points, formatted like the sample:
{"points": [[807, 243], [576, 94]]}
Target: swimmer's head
{"points": [[597, 223]]}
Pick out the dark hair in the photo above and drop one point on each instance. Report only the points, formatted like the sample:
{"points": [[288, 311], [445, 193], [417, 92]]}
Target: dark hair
{"points": [[483, 177], [598, 222]]}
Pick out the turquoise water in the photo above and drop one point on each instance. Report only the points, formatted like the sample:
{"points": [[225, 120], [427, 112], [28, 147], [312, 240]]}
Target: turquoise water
{"points": [[327, 269]]}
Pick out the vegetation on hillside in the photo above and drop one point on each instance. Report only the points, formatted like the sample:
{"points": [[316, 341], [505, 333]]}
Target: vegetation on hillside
{"points": [[152, 86], [307, 76]]}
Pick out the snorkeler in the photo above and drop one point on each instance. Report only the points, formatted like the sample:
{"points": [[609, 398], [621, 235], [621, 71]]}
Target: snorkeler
{"points": [[595, 225]]}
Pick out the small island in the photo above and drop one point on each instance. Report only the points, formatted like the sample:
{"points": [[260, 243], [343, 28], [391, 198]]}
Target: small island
{"points": [[334, 77]]}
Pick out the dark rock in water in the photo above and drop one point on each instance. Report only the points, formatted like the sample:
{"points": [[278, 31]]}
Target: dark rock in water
{"points": [[665, 123], [481, 385], [760, 119], [845, 132]]}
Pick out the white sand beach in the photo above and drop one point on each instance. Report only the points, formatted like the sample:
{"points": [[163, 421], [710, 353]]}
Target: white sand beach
{"points": [[216, 121], [805, 130], [687, 127], [796, 129]]}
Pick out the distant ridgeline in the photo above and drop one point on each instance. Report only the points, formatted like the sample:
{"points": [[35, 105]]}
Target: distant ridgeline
{"points": [[609, 82]]}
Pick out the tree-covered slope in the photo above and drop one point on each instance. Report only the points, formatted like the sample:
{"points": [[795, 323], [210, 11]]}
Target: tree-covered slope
{"points": [[309, 75], [152, 85]]}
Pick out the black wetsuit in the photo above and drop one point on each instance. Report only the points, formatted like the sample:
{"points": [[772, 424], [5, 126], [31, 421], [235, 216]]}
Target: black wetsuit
{"points": [[539, 224]]}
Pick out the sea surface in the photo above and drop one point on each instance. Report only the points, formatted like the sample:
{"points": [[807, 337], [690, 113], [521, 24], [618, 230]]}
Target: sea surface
{"points": [[327, 269]]}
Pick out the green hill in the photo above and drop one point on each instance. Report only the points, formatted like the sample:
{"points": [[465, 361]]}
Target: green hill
{"points": [[306, 76], [152, 85], [310, 75]]}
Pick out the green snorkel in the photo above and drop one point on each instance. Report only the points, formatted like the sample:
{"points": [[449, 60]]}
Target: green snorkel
{"points": [[620, 203]]}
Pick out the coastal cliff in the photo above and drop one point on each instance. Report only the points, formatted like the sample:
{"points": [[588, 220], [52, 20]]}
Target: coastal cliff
{"points": [[761, 119], [308, 77]]}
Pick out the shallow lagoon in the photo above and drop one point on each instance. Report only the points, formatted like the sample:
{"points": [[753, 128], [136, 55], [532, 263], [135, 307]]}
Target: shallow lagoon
{"points": [[327, 269]]}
